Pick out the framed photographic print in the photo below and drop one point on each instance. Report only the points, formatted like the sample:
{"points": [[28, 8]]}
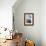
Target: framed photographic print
{"points": [[28, 19]]}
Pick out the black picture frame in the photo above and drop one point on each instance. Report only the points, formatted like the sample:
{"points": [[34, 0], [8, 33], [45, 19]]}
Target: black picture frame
{"points": [[28, 19]]}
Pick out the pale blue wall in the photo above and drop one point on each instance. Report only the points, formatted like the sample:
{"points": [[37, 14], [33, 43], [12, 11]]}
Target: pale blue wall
{"points": [[29, 32]]}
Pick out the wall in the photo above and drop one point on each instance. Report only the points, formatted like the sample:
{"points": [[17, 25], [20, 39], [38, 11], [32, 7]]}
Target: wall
{"points": [[6, 13], [43, 22], [29, 32]]}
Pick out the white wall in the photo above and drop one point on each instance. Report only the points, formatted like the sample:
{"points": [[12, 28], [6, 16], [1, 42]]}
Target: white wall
{"points": [[43, 22], [6, 13], [30, 32]]}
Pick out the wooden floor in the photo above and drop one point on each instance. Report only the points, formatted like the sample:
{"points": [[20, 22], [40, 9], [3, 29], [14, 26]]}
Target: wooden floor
{"points": [[9, 43]]}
